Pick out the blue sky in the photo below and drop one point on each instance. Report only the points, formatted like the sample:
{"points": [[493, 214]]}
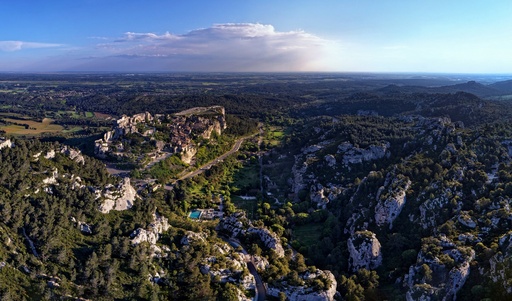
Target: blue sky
{"points": [[471, 36]]}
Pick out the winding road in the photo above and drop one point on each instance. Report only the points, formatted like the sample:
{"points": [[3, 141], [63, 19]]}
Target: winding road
{"points": [[261, 291], [208, 165]]}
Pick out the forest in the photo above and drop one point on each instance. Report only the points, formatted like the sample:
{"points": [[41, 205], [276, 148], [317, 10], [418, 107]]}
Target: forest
{"points": [[343, 188]]}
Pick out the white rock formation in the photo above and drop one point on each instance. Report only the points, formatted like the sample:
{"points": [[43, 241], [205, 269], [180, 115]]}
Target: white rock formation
{"points": [[323, 195], [232, 224], [237, 224], [500, 263], [364, 249], [305, 293], [159, 225], [50, 154], [120, 199], [52, 179], [443, 284], [6, 143], [182, 128], [355, 155], [387, 210], [191, 237], [465, 219], [269, 239], [142, 235], [73, 154]]}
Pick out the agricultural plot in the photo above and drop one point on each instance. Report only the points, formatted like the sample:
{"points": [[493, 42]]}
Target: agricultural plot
{"points": [[26, 126]]}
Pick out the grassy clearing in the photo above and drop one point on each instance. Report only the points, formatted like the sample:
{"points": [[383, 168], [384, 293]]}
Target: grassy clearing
{"points": [[308, 235], [249, 206], [28, 126], [274, 135], [246, 178]]}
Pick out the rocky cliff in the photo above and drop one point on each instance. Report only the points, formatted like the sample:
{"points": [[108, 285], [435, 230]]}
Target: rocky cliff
{"points": [[237, 225], [307, 293], [175, 133], [391, 199], [120, 197], [365, 251]]}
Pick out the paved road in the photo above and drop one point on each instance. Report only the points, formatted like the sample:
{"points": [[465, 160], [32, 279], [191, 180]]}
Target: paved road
{"points": [[261, 292], [260, 288]]}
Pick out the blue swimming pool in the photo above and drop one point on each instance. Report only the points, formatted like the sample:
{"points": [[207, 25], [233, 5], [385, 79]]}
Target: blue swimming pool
{"points": [[195, 214]]}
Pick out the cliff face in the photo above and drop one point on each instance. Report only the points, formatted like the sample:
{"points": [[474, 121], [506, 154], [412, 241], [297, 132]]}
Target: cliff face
{"points": [[431, 277], [390, 200], [364, 249]]}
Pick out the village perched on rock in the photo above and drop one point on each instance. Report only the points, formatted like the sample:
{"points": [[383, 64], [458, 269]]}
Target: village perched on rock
{"points": [[170, 133]]}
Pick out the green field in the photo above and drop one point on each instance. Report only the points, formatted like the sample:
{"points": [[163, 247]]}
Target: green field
{"points": [[274, 135], [247, 178], [34, 127], [249, 206], [308, 235]]}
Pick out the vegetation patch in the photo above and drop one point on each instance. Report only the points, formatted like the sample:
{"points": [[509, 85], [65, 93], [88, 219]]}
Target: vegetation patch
{"points": [[250, 206], [246, 179], [27, 126], [308, 235]]}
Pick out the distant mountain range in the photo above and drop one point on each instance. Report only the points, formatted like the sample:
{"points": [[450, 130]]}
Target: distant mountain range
{"points": [[496, 89]]}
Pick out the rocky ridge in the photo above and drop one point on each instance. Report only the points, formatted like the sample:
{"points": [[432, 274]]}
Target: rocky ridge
{"points": [[120, 197], [365, 251], [237, 225], [308, 293], [179, 131]]}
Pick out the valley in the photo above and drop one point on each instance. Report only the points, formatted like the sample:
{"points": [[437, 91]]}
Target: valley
{"points": [[320, 187]]}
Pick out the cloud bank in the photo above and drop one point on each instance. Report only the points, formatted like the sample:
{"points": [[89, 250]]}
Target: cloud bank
{"points": [[222, 47], [19, 45]]}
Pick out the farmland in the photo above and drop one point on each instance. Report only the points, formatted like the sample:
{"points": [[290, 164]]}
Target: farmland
{"points": [[24, 125]]}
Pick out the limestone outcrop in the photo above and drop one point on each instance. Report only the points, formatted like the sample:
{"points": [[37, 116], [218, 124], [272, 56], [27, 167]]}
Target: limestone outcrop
{"points": [[355, 155], [120, 198], [391, 199], [430, 278], [500, 264], [6, 143], [364, 249], [151, 234], [269, 239], [237, 225], [307, 292], [322, 195]]}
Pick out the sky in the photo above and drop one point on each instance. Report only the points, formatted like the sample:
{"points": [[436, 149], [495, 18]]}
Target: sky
{"points": [[433, 36]]}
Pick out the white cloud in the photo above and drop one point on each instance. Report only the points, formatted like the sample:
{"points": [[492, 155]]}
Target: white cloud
{"points": [[19, 45], [222, 47]]}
